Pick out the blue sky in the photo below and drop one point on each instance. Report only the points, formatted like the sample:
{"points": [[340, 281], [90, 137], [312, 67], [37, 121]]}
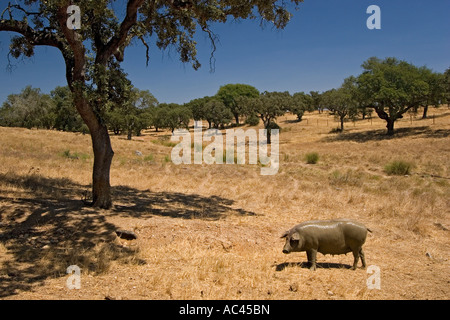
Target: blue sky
{"points": [[325, 42]]}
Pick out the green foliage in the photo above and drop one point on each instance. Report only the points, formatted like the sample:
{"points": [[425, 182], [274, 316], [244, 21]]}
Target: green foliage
{"points": [[171, 116], [301, 102], [312, 158], [398, 167], [66, 116], [342, 102], [436, 94], [217, 114], [252, 120], [447, 85], [392, 87], [231, 96], [273, 126], [271, 105], [28, 109], [132, 115], [268, 106], [316, 100], [178, 117], [198, 109]]}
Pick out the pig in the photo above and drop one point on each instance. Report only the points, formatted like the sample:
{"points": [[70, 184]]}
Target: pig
{"points": [[338, 236]]}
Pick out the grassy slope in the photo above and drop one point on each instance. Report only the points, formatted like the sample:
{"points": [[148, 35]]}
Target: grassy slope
{"points": [[212, 232]]}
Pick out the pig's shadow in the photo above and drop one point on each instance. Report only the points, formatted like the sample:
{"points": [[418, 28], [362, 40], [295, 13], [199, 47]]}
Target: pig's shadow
{"points": [[307, 265]]}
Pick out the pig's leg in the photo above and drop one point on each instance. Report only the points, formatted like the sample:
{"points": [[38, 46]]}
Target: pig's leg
{"points": [[356, 256], [363, 260], [311, 254]]}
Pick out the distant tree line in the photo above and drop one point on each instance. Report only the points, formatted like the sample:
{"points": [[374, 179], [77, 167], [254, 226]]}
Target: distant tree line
{"points": [[33, 109], [390, 87]]}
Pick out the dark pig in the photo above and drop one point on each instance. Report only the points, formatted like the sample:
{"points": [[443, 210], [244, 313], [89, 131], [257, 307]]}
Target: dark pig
{"points": [[338, 236]]}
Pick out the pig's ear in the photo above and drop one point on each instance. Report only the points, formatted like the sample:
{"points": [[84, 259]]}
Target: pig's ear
{"points": [[284, 235], [295, 236]]}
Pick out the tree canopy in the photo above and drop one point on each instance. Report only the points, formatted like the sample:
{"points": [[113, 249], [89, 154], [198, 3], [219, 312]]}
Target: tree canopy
{"points": [[342, 102], [230, 94]]}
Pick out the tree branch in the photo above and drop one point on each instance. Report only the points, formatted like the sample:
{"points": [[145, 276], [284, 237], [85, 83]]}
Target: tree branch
{"points": [[105, 51], [36, 38], [76, 44], [213, 38], [146, 49], [16, 6]]}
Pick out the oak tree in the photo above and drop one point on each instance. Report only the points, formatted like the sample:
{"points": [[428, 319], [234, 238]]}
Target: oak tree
{"points": [[392, 87], [230, 95]]}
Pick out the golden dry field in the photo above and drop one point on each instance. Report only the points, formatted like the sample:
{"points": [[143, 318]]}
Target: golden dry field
{"points": [[213, 231]]}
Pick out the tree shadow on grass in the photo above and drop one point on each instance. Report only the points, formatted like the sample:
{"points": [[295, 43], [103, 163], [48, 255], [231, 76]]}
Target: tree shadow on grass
{"points": [[139, 203], [380, 135], [45, 227]]}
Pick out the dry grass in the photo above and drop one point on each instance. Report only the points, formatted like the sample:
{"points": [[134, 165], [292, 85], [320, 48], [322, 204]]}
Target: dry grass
{"points": [[212, 231]]}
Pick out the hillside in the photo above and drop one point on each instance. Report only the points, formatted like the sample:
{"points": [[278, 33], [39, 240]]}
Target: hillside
{"points": [[213, 231]]}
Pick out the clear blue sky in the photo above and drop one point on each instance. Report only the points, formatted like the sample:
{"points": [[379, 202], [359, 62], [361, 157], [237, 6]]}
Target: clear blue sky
{"points": [[326, 41]]}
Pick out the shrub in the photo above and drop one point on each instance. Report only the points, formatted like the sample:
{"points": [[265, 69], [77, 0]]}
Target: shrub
{"points": [[398, 167], [312, 158]]}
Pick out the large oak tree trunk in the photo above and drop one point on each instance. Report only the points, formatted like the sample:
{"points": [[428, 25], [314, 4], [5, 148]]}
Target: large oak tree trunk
{"points": [[390, 126], [389, 120], [103, 154]]}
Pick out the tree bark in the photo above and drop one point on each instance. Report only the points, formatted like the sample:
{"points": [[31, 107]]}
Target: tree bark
{"points": [[425, 111], [103, 154], [390, 126], [389, 119]]}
